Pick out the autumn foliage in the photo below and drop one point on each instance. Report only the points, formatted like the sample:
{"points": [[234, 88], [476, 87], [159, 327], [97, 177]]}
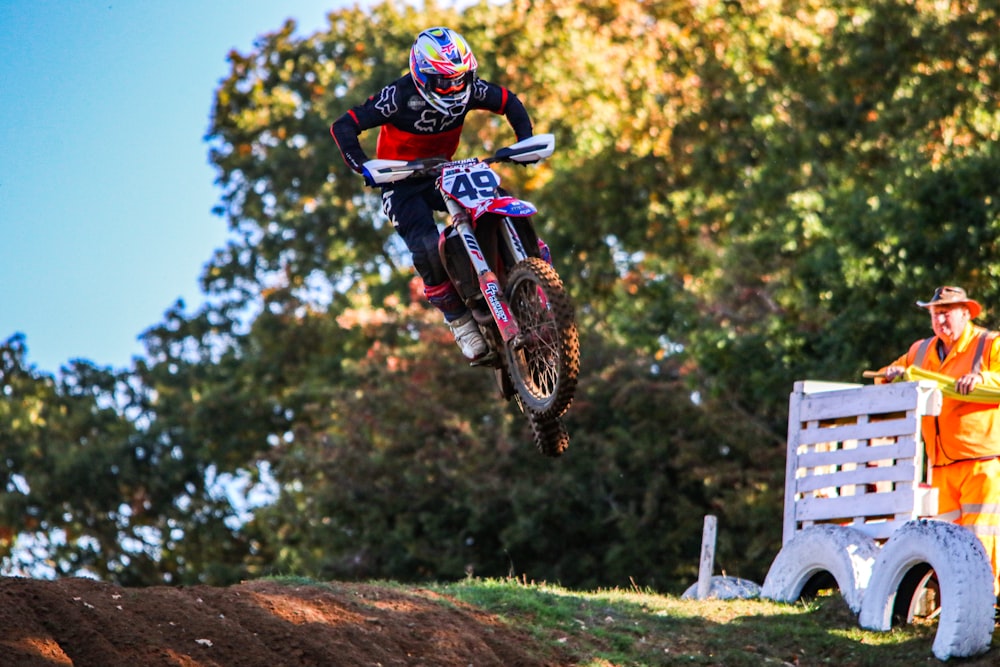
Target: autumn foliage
{"points": [[743, 195]]}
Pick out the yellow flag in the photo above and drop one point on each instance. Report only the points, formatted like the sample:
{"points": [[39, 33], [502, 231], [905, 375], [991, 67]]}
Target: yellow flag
{"points": [[947, 386]]}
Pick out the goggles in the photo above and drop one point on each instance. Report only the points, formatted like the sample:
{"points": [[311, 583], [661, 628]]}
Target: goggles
{"points": [[449, 85]]}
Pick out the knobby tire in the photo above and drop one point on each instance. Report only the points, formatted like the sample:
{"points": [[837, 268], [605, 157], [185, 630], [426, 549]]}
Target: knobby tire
{"points": [[551, 437], [545, 367]]}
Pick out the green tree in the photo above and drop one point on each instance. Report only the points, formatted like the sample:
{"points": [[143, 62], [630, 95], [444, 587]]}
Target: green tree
{"points": [[73, 483]]}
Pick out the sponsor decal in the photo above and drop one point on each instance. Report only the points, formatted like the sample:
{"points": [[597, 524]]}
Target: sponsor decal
{"points": [[482, 208], [456, 164], [511, 206], [473, 245], [416, 103], [492, 290], [479, 90], [518, 246], [386, 103], [431, 120]]}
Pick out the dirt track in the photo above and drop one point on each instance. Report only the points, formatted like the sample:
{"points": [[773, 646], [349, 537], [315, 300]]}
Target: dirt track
{"points": [[85, 623]]}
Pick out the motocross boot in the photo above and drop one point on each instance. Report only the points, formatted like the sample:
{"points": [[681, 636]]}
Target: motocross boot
{"points": [[467, 335]]}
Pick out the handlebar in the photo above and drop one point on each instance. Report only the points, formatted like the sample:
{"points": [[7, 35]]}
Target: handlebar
{"points": [[525, 151]]}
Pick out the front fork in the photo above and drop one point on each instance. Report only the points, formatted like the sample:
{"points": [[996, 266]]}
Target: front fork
{"points": [[489, 285]]}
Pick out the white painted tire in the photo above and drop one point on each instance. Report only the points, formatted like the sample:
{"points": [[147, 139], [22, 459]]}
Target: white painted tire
{"points": [[845, 553], [725, 588], [965, 578]]}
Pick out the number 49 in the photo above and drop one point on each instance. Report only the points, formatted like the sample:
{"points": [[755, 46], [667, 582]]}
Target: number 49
{"points": [[476, 185]]}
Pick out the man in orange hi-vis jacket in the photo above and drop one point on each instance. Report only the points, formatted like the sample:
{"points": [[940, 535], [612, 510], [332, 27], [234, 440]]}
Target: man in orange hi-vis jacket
{"points": [[963, 442]]}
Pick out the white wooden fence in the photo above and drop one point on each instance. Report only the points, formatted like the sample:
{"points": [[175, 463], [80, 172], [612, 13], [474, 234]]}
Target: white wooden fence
{"points": [[856, 458]]}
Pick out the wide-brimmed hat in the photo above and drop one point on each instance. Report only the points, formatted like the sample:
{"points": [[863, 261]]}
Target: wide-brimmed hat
{"points": [[948, 295]]}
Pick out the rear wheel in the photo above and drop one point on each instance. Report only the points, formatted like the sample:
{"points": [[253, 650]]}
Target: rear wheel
{"points": [[544, 361]]}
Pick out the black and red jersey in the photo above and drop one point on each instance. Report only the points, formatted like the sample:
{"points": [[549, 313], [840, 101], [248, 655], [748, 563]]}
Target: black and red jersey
{"points": [[412, 129]]}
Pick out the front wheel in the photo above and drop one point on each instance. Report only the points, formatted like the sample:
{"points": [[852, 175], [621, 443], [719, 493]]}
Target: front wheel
{"points": [[544, 360], [550, 435]]}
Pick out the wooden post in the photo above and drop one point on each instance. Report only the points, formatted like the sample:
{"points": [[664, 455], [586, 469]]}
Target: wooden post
{"points": [[707, 556]]}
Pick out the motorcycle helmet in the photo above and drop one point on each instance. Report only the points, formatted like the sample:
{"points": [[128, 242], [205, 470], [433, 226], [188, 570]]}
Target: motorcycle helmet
{"points": [[444, 69]]}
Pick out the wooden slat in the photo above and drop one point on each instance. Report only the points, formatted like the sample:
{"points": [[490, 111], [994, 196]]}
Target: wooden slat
{"points": [[868, 400], [901, 472], [902, 449], [817, 386], [813, 433], [888, 503], [788, 524]]}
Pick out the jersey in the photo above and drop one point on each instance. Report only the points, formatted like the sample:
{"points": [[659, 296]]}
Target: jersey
{"points": [[411, 129]]}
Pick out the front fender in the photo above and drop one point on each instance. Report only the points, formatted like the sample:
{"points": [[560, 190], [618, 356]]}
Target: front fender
{"points": [[509, 206]]}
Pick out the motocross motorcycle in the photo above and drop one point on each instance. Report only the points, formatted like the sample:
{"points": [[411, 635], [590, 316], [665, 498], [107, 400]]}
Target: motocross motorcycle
{"points": [[495, 259]]}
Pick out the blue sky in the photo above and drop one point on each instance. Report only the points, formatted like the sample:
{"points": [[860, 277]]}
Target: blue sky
{"points": [[105, 187]]}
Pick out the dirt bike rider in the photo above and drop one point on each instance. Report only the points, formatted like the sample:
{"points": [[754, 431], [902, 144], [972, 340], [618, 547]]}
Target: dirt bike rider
{"points": [[420, 116]]}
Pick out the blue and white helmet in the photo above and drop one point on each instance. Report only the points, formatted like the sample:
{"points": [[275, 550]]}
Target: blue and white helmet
{"points": [[444, 69]]}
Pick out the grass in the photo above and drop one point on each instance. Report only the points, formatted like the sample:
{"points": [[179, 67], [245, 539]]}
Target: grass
{"points": [[633, 628]]}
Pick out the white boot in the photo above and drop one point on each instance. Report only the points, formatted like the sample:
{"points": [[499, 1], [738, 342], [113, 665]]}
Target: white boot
{"points": [[467, 336]]}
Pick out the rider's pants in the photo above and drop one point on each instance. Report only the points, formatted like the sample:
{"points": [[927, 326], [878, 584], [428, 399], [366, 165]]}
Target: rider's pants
{"points": [[410, 208]]}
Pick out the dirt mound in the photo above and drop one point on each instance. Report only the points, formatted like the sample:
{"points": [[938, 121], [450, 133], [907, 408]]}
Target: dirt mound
{"points": [[84, 623]]}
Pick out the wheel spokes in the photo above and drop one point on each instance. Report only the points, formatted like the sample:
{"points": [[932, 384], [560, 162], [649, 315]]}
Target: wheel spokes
{"points": [[539, 352]]}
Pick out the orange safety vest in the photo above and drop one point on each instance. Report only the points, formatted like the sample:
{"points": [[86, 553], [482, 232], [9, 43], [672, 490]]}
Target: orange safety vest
{"points": [[964, 431]]}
